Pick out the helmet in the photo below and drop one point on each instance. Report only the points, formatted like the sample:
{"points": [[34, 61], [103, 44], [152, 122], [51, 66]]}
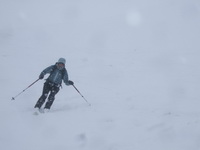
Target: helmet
{"points": [[61, 60]]}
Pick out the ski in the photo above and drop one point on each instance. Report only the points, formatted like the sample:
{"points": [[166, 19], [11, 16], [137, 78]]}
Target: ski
{"points": [[38, 111]]}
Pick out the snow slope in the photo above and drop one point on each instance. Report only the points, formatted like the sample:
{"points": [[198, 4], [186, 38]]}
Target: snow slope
{"points": [[136, 61]]}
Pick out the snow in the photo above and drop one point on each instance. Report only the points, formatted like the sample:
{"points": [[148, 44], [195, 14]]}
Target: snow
{"points": [[137, 63]]}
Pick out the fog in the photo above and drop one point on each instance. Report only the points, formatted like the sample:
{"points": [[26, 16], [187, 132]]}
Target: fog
{"points": [[136, 62]]}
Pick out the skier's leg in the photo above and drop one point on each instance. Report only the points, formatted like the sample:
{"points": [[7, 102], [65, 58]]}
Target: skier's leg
{"points": [[44, 95], [51, 97]]}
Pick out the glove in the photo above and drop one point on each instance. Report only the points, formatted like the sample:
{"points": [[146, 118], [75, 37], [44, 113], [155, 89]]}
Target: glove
{"points": [[71, 82], [41, 76]]}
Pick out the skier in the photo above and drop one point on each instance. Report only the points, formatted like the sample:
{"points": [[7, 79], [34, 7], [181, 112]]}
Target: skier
{"points": [[53, 83]]}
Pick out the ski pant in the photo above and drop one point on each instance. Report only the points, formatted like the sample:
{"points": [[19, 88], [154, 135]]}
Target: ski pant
{"points": [[48, 88]]}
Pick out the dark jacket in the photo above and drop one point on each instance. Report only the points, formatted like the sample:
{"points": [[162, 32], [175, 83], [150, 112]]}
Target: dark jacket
{"points": [[56, 75]]}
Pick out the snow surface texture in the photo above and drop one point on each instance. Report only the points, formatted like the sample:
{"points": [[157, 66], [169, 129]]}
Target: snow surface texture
{"points": [[136, 61]]}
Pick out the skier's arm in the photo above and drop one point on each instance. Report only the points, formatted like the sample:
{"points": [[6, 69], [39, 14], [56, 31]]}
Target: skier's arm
{"points": [[45, 71], [66, 78]]}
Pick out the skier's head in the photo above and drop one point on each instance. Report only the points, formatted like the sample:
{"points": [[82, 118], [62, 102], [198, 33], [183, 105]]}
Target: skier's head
{"points": [[61, 60], [61, 63]]}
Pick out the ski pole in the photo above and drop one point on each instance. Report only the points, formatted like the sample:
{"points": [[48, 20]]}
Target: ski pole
{"points": [[13, 98], [81, 95]]}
